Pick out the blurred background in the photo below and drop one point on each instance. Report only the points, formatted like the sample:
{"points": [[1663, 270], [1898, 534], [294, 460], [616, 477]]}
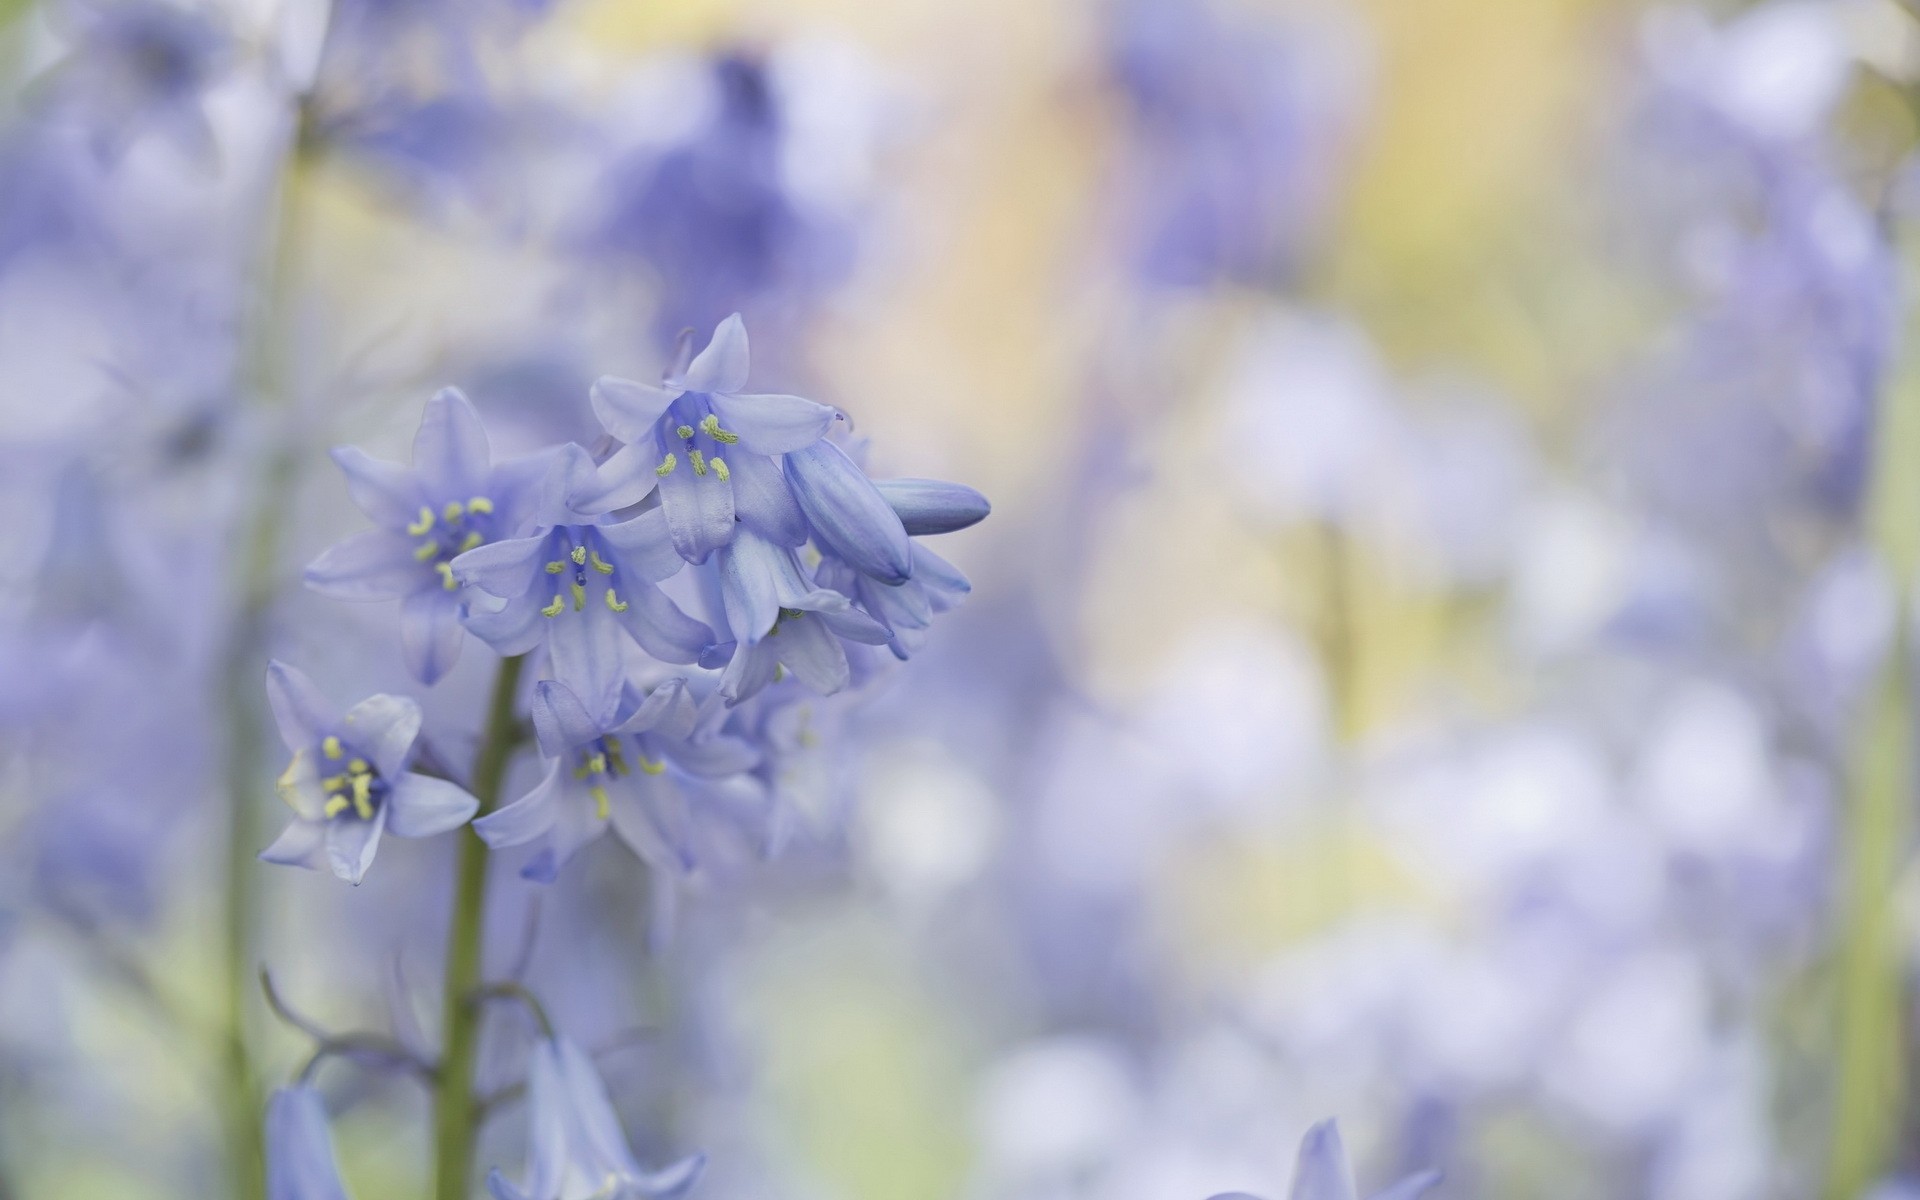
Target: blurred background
{"points": [[1439, 657]]}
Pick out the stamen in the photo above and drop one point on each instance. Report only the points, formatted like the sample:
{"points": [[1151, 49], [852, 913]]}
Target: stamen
{"points": [[453, 511], [425, 551], [651, 767], [447, 580], [601, 804], [480, 504], [363, 796], [554, 609], [358, 766], [615, 603], [719, 466], [579, 555], [666, 466], [336, 806], [472, 539], [779, 672], [330, 746], [711, 425], [334, 783], [600, 564], [685, 432], [555, 567], [614, 756], [699, 462], [579, 595], [423, 524]]}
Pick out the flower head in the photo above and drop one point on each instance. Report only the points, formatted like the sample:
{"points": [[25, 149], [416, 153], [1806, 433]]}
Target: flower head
{"points": [[452, 499], [348, 782], [300, 1159], [780, 618], [577, 1150]]}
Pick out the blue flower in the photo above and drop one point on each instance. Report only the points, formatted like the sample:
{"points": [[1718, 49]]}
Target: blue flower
{"points": [[631, 770], [927, 506], [348, 781], [906, 609], [576, 1148], [781, 618], [139, 65], [583, 590], [708, 446], [300, 1159], [1324, 1173], [451, 500]]}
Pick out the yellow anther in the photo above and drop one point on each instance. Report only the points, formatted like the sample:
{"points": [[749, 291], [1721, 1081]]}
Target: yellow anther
{"points": [[555, 567], [699, 462], [719, 466], [666, 466], [579, 595], [613, 754], [447, 580], [579, 555], [554, 609], [334, 783], [423, 524], [336, 806], [596, 764], [330, 746], [601, 804], [615, 603], [600, 564], [779, 672], [480, 504], [711, 424], [685, 432], [358, 766], [363, 797], [651, 767], [425, 551], [472, 539], [288, 783], [453, 510]]}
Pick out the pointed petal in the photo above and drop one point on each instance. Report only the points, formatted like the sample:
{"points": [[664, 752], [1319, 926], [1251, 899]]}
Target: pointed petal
{"points": [[771, 424], [451, 455], [301, 844], [628, 409], [500, 1189], [526, 818], [531, 491], [1411, 1186], [713, 757], [386, 491], [837, 613], [624, 479], [385, 728], [426, 807], [927, 506], [301, 712], [722, 366], [813, 654], [1323, 1172], [504, 569], [431, 633], [641, 546], [586, 652], [757, 580], [547, 1151], [577, 822], [515, 627], [300, 1158], [672, 1182], [698, 505], [560, 720], [351, 845], [373, 565], [763, 501], [847, 514], [944, 584], [662, 630], [596, 1127], [749, 671], [667, 704], [299, 785]]}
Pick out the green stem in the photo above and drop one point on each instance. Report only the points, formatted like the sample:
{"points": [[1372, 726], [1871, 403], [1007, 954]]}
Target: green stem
{"points": [[454, 1106]]}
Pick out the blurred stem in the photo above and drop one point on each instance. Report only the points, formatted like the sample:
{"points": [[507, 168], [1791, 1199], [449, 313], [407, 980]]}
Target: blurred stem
{"points": [[454, 1104], [1339, 649], [1869, 1099]]}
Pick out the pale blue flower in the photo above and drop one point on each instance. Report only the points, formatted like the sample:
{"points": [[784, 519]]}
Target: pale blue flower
{"points": [[348, 782], [300, 1159], [780, 618], [576, 1149]]}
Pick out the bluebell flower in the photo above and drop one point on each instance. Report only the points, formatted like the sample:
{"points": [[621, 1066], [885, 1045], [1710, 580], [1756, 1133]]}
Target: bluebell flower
{"points": [[780, 618], [927, 506], [707, 444], [848, 514], [632, 767], [300, 1158], [906, 609], [1324, 1173], [348, 781], [453, 499], [139, 65], [583, 590], [576, 1148]]}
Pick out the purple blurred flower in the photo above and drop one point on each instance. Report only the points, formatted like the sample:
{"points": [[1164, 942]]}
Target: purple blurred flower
{"points": [[139, 65], [1324, 1173]]}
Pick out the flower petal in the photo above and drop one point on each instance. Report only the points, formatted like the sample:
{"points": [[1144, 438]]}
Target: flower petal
{"points": [[927, 506], [662, 630], [749, 671], [386, 491], [504, 569], [500, 1189], [1411, 1186], [451, 456], [698, 505], [641, 546], [722, 366], [839, 615], [586, 652], [385, 727], [597, 1128], [301, 844], [847, 514], [764, 502], [515, 627], [376, 564], [560, 720], [713, 757], [945, 585], [431, 633], [757, 580], [624, 479], [300, 1158], [577, 822], [301, 712], [628, 409], [351, 844], [1323, 1172], [425, 807], [526, 818], [771, 424], [666, 705]]}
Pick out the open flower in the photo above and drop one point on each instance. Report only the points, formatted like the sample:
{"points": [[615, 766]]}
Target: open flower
{"points": [[1324, 1173], [576, 1150], [300, 1158], [348, 782], [708, 446], [781, 620], [452, 499], [632, 769]]}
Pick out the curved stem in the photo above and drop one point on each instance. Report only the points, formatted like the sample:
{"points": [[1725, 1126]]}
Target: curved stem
{"points": [[454, 1107]]}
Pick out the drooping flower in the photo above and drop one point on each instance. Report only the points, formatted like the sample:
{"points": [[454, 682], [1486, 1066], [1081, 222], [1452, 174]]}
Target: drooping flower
{"points": [[452, 499], [1323, 1172], [348, 782], [847, 514], [709, 446], [583, 590], [781, 618], [632, 768], [935, 585], [576, 1148], [300, 1159]]}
